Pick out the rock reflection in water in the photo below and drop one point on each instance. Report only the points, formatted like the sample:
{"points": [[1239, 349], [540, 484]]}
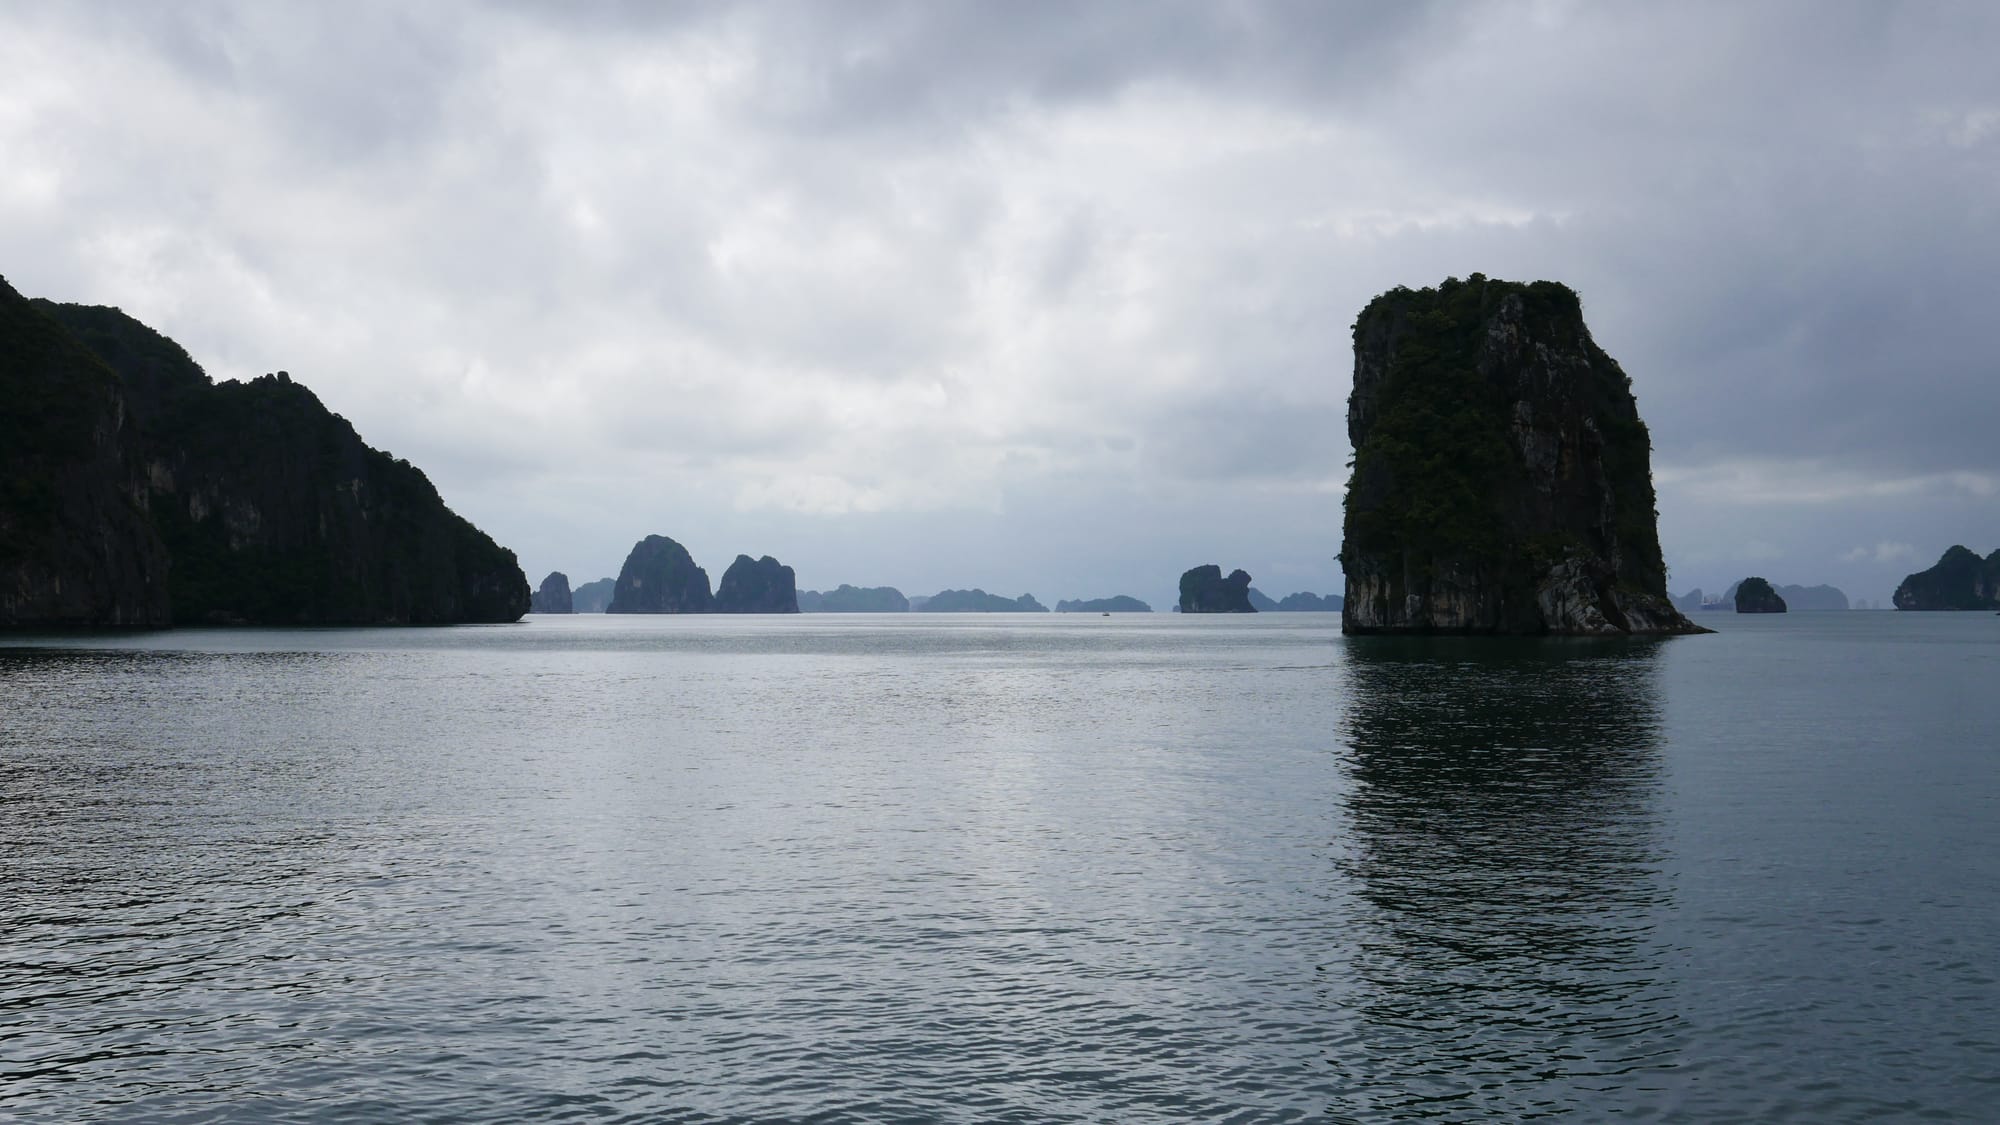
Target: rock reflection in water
{"points": [[1505, 856]]}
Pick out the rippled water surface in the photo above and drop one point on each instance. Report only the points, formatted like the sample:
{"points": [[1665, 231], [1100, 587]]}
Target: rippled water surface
{"points": [[1019, 868]]}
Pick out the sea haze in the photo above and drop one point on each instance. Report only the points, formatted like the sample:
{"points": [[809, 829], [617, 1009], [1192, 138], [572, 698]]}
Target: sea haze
{"points": [[1050, 868]]}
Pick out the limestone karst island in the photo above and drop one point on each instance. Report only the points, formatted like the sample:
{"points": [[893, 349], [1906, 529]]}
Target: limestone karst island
{"points": [[1502, 477], [138, 492]]}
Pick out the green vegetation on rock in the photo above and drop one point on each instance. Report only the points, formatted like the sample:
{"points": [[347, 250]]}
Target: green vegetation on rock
{"points": [[1960, 580], [1502, 477]]}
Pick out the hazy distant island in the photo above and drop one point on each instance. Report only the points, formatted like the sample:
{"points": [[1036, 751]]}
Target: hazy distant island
{"points": [[978, 601], [1797, 599], [1119, 603], [553, 595], [1502, 476], [1754, 595], [138, 492], [1205, 590], [1302, 602], [659, 576], [1960, 580], [593, 597], [854, 599]]}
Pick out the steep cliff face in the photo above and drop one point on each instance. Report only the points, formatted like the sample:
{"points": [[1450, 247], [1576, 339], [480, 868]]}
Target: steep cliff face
{"points": [[272, 509], [1755, 595], [77, 545], [1502, 477], [1960, 580], [761, 585], [553, 595], [659, 576], [1205, 590]]}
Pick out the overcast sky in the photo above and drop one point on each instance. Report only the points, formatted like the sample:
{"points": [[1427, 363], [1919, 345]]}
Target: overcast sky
{"points": [[1048, 297]]}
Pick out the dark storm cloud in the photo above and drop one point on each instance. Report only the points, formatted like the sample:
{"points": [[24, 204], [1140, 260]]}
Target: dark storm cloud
{"points": [[922, 261]]}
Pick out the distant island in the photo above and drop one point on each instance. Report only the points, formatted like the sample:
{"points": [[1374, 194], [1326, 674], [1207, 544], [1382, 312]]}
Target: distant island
{"points": [[1797, 599], [1119, 603], [1961, 580], [979, 601], [1502, 476], [659, 576], [553, 595], [1754, 595], [1205, 590], [593, 597], [1302, 602], [139, 492], [854, 599], [760, 585]]}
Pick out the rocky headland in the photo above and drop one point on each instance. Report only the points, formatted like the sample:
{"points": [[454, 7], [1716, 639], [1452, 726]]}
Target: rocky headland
{"points": [[1502, 476], [553, 595], [1960, 580], [1306, 601], [761, 585], [140, 492], [1755, 595], [1205, 590]]}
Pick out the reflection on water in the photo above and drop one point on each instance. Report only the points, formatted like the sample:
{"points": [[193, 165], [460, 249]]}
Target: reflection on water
{"points": [[1505, 854]]}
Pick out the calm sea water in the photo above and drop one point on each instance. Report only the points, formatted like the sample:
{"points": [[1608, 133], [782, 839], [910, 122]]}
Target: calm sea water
{"points": [[1022, 868]]}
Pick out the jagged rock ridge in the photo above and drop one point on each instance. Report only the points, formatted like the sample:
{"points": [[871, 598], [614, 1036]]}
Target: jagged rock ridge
{"points": [[1502, 477]]}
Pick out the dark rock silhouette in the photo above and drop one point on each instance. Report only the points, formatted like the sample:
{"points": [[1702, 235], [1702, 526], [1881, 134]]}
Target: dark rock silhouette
{"points": [[553, 596], [660, 577], [1262, 602], [1502, 477], [1960, 580], [854, 599], [1754, 595], [1120, 603], [979, 601], [1797, 598], [77, 543], [761, 585], [1205, 590], [265, 507], [593, 597]]}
